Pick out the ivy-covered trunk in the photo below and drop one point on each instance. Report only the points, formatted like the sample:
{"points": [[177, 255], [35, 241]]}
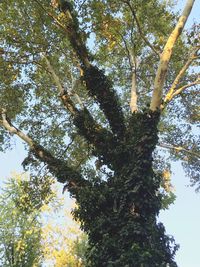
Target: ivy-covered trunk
{"points": [[120, 214]]}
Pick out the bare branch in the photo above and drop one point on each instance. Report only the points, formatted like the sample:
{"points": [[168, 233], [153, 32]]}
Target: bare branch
{"points": [[63, 93], [166, 56], [180, 149], [134, 96], [59, 168], [94, 133], [54, 75], [171, 93], [181, 89], [13, 130], [75, 84], [133, 102], [133, 65], [68, 103]]}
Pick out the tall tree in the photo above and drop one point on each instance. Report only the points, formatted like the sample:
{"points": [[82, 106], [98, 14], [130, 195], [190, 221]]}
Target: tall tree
{"points": [[71, 118]]}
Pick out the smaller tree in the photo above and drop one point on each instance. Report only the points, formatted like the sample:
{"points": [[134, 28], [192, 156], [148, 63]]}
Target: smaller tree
{"points": [[30, 233], [64, 244], [20, 229]]}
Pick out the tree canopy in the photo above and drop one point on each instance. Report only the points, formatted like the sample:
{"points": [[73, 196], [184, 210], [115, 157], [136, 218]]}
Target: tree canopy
{"points": [[39, 65]]}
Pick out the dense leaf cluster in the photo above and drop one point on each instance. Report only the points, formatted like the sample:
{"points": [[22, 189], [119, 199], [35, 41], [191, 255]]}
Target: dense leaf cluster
{"points": [[100, 87]]}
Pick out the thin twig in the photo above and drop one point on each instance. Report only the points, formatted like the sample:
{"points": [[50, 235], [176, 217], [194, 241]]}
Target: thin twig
{"points": [[127, 50], [140, 29], [51, 16]]}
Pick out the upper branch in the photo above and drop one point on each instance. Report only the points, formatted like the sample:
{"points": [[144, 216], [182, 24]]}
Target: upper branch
{"points": [[57, 167], [66, 99], [173, 91], [97, 84], [166, 55], [140, 29], [180, 149], [181, 89], [133, 62], [102, 139], [134, 95]]}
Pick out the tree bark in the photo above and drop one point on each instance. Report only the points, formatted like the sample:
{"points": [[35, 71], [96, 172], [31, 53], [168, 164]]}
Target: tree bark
{"points": [[133, 102], [166, 55]]}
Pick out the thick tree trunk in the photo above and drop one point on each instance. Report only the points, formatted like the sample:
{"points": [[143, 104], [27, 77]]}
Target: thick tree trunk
{"points": [[119, 215]]}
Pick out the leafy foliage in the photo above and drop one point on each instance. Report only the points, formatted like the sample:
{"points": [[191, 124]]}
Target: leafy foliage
{"points": [[30, 233], [20, 232], [62, 241]]}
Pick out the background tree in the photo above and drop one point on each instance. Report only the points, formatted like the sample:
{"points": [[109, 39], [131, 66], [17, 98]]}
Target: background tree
{"points": [[30, 233], [64, 244], [20, 229], [45, 57]]}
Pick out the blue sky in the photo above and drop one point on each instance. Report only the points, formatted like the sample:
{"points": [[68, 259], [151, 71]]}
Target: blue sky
{"points": [[182, 220]]}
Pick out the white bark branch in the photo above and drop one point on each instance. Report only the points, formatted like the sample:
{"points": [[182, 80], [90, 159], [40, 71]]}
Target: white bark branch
{"points": [[172, 91], [166, 56], [134, 96], [133, 102], [75, 84], [13, 130], [56, 166], [54, 75], [179, 90], [133, 65], [65, 96], [180, 149]]}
